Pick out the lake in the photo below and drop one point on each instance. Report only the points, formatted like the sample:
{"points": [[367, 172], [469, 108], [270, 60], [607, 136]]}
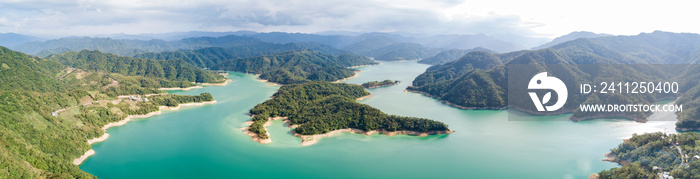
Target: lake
{"points": [[207, 142]]}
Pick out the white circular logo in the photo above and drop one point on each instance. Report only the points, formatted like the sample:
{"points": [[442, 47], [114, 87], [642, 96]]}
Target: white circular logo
{"points": [[542, 81]]}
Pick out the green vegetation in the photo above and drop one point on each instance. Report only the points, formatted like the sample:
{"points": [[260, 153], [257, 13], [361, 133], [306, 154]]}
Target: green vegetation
{"points": [[48, 111], [203, 58], [22, 72], [154, 102], [321, 107], [643, 152], [478, 80], [377, 84], [297, 66], [175, 70], [633, 170], [689, 119], [470, 82]]}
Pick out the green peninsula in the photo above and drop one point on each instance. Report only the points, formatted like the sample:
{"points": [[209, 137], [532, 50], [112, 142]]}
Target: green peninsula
{"points": [[322, 107]]}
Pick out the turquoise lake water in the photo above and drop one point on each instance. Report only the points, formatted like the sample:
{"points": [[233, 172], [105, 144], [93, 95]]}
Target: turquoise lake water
{"points": [[206, 141]]}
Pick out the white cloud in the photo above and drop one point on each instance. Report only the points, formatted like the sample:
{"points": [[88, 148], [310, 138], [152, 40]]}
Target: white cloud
{"points": [[3, 21], [533, 18]]}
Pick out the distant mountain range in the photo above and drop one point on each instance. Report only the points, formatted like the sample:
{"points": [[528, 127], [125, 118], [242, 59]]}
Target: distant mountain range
{"points": [[451, 55], [381, 46], [12, 39], [569, 37], [369, 44]]}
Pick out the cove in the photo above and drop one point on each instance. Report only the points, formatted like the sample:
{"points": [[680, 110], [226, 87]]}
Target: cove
{"points": [[206, 141]]}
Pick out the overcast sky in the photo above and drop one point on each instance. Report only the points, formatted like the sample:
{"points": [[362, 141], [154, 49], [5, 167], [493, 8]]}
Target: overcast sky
{"points": [[538, 18]]}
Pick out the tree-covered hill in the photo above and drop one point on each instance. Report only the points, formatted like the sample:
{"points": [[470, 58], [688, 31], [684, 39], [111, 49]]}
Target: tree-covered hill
{"points": [[19, 71], [48, 111], [297, 66], [176, 70], [471, 83], [203, 58]]}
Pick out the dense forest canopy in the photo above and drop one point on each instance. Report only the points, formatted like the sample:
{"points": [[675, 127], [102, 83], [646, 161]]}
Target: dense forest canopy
{"points": [[321, 107], [49, 110], [297, 66], [22, 72], [175, 70]]}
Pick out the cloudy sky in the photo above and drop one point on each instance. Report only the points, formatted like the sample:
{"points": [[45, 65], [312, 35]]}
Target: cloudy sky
{"points": [[537, 18]]}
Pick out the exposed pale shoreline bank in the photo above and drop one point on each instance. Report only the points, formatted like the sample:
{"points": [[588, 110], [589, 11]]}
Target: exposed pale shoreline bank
{"points": [[183, 89], [307, 140], [364, 97], [217, 84], [353, 76], [312, 139], [358, 66], [104, 137], [196, 86], [265, 81], [255, 136]]}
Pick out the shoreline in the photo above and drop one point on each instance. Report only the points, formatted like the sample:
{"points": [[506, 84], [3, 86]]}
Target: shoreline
{"points": [[685, 129], [217, 84], [452, 104], [104, 136], [353, 76], [418, 59], [610, 157], [358, 66], [177, 88], [307, 140], [577, 119], [266, 81], [364, 97], [197, 86], [144, 95], [255, 136]]}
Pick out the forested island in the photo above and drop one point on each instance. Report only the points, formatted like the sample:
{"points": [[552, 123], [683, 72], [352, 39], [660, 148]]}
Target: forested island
{"points": [[651, 155], [378, 84], [50, 110], [322, 107]]}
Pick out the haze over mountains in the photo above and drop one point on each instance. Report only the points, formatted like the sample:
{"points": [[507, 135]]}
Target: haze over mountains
{"points": [[382, 46], [569, 37]]}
